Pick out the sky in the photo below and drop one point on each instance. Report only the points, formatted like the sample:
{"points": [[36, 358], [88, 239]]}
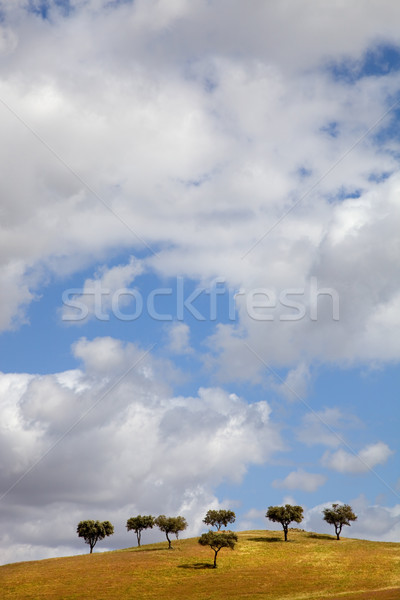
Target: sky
{"points": [[199, 265]]}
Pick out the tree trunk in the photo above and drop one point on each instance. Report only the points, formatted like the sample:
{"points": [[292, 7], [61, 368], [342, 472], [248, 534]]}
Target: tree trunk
{"points": [[338, 535], [138, 539], [91, 549], [285, 532], [215, 558], [169, 542]]}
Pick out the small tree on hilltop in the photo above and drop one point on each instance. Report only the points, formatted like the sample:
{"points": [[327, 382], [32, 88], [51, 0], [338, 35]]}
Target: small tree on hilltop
{"points": [[93, 531], [170, 525], [138, 524], [217, 540], [285, 515], [180, 525], [217, 518], [339, 515]]}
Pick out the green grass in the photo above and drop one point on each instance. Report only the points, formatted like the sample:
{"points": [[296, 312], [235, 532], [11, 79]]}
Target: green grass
{"points": [[309, 566]]}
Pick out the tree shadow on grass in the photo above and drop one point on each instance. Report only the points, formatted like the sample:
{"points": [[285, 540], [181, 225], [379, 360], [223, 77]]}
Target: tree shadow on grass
{"points": [[321, 536], [197, 566], [266, 539], [140, 549]]}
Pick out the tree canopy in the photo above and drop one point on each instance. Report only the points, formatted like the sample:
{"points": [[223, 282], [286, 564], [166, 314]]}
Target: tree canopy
{"points": [[285, 515], [93, 531], [339, 515], [170, 525], [180, 525], [217, 540], [138, 524], [217, 518]]}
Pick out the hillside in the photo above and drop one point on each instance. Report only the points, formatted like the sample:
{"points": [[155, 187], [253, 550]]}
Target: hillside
{"points": [[262, 566]]}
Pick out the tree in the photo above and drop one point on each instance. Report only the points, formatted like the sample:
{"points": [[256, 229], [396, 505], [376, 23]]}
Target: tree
{"points": [[93, 531], [285, 515], [170, 525], [217, 518], [339, 515], [180, 525], [217, 540], [138, 524]]}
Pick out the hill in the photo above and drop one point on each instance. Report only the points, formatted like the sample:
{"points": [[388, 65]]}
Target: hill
{"points": [[309, 566]]}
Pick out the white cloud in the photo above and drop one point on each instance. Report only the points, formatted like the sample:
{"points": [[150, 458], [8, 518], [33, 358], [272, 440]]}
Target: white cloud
{"points": [[325, 427], [107, 291], [179, 338], [131, 446], [288, 500], [199, 158], [16, 297], [301, 480], [380, 523], [254, 513], [345, 462], [296, 383]]}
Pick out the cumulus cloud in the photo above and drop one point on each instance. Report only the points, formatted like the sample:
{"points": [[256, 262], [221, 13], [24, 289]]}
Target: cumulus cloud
{"points": [[296, 383], [300, 480], [252, 519], [345, 462], [374, 522], [325, 427], [254, 513], [179, 338], [107, 291], [109, 439], [195, 153]]}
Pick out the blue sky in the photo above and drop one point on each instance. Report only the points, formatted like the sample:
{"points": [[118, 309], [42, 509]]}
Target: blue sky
{"points": [[199, 265]]}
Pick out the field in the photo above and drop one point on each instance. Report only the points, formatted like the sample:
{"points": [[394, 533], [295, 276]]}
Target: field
{"points": [[309, 566]]}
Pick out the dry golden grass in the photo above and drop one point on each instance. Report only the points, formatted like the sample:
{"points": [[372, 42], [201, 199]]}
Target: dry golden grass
{"points": [[262, 566]]}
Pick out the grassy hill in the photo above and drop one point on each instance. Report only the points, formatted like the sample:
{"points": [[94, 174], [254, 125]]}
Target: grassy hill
{"points": [[262, 566]]}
